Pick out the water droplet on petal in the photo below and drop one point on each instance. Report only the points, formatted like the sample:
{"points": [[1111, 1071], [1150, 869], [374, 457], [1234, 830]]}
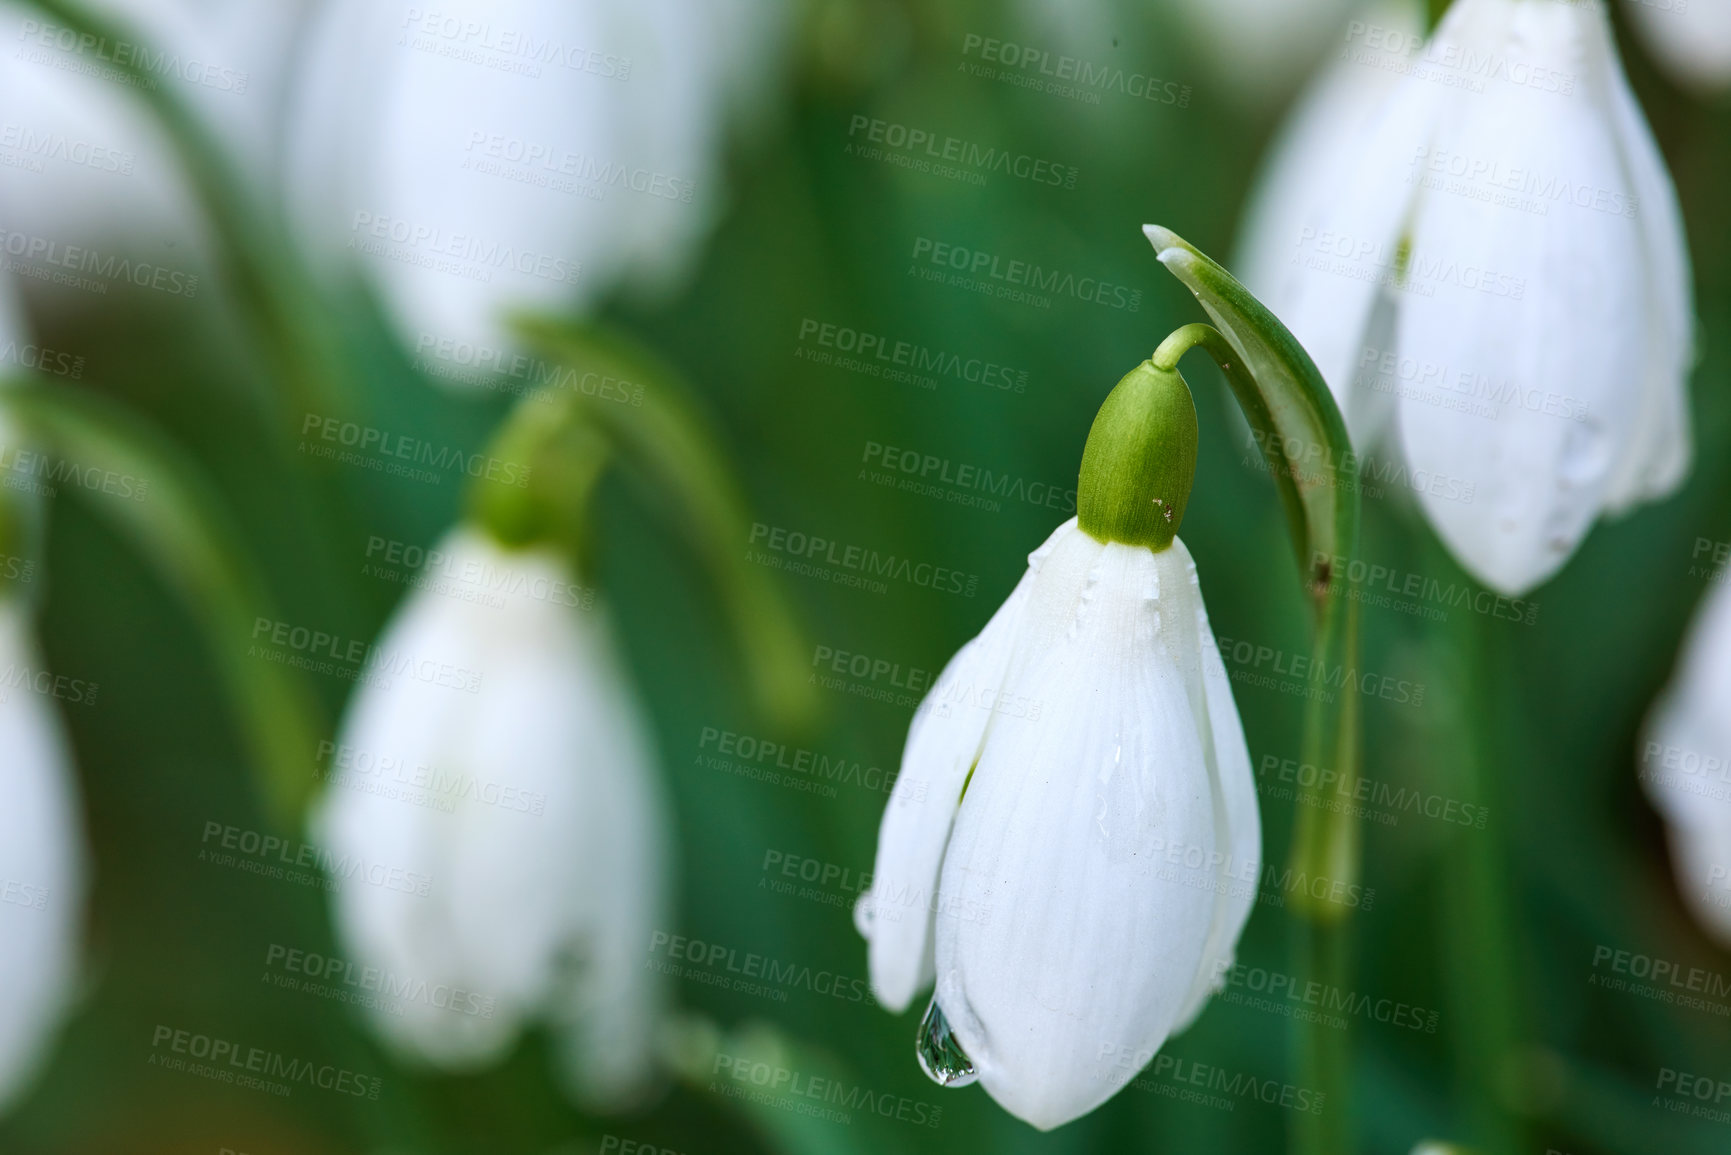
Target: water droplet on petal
{"points": [[865, 915], [941, 1056]]}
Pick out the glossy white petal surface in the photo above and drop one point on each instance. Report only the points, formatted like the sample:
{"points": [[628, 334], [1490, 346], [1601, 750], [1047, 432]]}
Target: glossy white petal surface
{"points": [[944, 742], [1534, 322], [1082, 943]]}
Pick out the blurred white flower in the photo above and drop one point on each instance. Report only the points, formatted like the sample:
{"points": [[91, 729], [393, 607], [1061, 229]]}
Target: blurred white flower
{"points": [[526, 814], [42, 855], [1493, 263], [1685, 764], [1691, 39], [1074, 874], [492, 155], [86, 161]]}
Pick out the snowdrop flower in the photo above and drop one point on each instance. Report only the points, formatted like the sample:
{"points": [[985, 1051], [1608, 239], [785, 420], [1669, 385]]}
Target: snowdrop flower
{"points": [[495, 155], [1691, 39], [1074, 873], [517, 800], [1686, 764], [42, 856], [87, 162], [1492, 276]]}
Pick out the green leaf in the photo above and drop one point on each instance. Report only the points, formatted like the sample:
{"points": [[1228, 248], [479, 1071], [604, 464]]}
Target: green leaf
{"points": [[173, 516], [1289, 407]]}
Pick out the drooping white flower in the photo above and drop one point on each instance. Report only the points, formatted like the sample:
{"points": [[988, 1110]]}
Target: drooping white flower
{"points": [[516, 791], [87, 162], [1691, 39], [1075, 873], [1494, 266], [1685, 764], [42, 856], [497, 155]]}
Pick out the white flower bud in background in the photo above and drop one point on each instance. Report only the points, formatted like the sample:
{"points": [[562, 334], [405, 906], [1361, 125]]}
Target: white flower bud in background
{"points": [[87, 162], [1691, 39], [500, 155], [1074, 875], [538, 848], [43, 862], [1491, 274], [1685, 764]]}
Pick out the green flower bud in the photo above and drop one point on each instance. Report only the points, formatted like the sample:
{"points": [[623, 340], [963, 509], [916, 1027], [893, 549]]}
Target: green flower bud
{"points": [[1140, 460]]}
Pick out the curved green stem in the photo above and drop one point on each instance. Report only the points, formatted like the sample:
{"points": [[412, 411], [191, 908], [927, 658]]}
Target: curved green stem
{"points": [[176, 521], [252, 255]]}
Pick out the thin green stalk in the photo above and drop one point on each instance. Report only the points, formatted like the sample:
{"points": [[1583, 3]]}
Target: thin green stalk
{"points": [[1476, 930]]}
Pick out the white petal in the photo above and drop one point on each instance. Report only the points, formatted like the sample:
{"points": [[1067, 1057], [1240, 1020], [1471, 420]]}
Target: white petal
{"points": [[1658, 452], [1690, 38], [547, 872], [1089, 946], [944, 742], [1343, 254], [1316, 148], [42, 864], [1237, 820], [1533, 324]]}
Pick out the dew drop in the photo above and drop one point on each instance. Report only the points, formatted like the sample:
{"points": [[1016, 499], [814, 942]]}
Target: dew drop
{"points": [[865, 915], [941, 1056]]}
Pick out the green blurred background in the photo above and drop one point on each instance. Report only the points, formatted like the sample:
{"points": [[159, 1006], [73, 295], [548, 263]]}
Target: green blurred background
{"points": [[1494, 929]]}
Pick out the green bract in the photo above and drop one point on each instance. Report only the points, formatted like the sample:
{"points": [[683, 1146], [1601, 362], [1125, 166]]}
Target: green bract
{"points": [[1140, 460]]}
